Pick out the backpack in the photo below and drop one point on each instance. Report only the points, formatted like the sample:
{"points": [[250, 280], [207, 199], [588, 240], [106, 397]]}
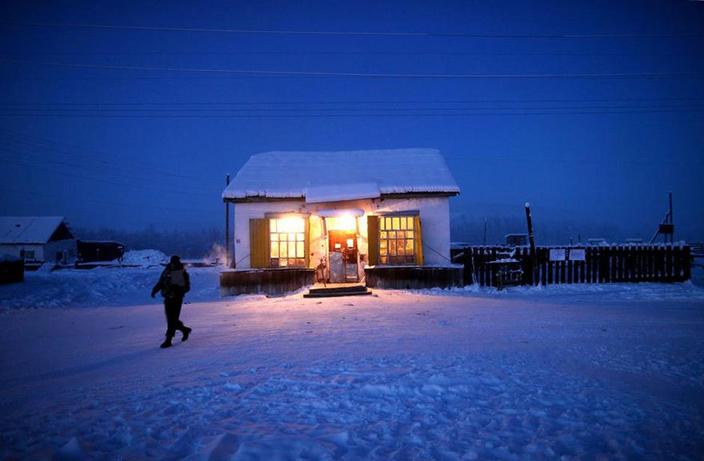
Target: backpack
{"points": [[177, 279]]}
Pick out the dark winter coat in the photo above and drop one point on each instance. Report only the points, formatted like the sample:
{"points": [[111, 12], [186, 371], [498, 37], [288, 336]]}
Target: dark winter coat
{"points": [[174, 282]]}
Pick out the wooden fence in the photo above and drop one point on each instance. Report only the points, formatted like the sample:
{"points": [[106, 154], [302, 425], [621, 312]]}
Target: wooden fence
{"points": [[489, 265]]}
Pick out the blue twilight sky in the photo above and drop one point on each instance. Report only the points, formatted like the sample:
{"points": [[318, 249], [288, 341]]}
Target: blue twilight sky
{"points": [[590, 110]]}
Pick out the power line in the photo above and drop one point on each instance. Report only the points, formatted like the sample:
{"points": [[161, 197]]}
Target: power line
{"points": [[47, 144], [375, 75], [350, 102], [351, 33], [346, 53], [353, 115]]}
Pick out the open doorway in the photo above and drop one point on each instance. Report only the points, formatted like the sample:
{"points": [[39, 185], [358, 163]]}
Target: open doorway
{"points": [[343, 256]]}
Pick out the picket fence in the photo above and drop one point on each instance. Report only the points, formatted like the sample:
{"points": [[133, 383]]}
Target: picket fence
{"points": [[503, 265]]}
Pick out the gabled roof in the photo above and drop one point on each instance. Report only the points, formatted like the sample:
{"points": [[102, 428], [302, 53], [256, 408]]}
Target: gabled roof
{"points": [[28, 229], [341, 175]]}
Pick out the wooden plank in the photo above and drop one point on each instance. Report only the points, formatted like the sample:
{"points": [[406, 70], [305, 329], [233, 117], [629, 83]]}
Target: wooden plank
{"points": [[677, 264], [588, 265], [687, 263]]}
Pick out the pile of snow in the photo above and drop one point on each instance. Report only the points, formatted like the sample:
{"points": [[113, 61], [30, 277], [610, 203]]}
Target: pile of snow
{"points": [[144, 258], [103, 286]]}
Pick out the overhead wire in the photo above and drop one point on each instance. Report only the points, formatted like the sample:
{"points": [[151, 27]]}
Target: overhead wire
{"points": [[400, 34], [372, 75]]}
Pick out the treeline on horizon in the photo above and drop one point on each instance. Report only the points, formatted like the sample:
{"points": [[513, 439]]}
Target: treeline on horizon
{"points": [[198, 243], [185, 243], [470, 229]]}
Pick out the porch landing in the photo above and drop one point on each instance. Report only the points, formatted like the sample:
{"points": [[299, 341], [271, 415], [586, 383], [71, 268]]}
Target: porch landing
{"points": [[337, 289]]}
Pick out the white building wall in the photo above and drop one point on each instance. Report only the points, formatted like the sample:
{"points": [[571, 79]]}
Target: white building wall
{"points": [[434, 216], [16, 250]]}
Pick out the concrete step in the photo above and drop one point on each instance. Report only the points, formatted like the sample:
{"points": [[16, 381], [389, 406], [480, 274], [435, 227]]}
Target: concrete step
{"points": [[325, 292]]}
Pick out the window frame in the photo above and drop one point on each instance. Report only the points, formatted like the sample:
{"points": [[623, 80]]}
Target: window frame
{"points": [[293, 240], [405, 225]]}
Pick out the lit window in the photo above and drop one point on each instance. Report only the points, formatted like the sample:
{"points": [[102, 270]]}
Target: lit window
{"points": [[397, 240], [286, 242]]}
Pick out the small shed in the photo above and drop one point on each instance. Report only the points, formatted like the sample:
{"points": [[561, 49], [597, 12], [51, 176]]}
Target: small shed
{"points": [[94, 251], [37, 239], [11, 269]]}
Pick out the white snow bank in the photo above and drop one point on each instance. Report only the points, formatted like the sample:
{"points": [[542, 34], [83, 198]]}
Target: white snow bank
{"points": [[111, 286], [583, 292], [144, 258]]}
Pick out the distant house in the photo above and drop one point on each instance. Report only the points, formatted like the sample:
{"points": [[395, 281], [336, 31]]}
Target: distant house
{"points": [[356, 210], [37, 239]]}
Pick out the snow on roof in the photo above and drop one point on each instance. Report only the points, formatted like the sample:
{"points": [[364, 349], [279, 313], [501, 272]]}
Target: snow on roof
{"points": [[28, 229], [341, 175]]}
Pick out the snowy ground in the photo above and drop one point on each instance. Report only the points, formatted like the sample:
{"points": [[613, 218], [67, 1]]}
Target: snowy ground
{"points": [[602, 372]]}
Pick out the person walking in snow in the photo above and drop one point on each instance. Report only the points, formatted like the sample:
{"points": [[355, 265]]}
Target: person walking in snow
{"points": [[173, 284]]}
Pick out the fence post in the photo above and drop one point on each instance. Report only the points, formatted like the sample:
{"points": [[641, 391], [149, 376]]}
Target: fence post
{"points": [[687, 263]]}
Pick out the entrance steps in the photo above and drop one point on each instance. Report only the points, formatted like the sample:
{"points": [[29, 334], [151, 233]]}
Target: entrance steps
{"points": [[337, 289]]}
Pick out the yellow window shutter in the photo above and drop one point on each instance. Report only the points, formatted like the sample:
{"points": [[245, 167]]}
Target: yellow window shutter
{"points": [[420, 260], [373, 239], [259, 243], [306, 241]]}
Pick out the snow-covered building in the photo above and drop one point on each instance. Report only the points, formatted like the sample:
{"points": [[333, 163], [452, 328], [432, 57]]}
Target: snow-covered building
{"points": [[358, 212], [37, 239]]}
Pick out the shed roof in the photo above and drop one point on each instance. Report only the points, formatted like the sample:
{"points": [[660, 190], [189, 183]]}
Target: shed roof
{"points": [[28, 229], [341, 175]]}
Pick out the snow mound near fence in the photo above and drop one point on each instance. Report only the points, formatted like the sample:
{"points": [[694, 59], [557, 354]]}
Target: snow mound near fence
{"points": [[113, 286], [144, 258]]}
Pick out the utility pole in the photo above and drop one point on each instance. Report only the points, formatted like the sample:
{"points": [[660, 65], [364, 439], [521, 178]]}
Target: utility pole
{"points": [[227, 226], [672, 222], [531, 240], [667, 226]]}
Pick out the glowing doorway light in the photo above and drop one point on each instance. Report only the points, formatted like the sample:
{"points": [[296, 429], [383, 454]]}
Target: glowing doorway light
{"points": [[343, 223]]}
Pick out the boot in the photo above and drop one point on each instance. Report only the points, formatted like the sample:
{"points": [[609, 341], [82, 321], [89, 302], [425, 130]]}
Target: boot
{"points": [[166, 343], [186, 332]]}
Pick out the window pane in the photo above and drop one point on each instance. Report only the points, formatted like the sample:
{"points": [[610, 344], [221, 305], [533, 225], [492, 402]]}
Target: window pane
{"points": [[299, 250], [274, 249], [272, 225], [409, 247], [388, 223], [382, 225], [382, 243], [392, 235], [401, 247], [392, 247], [291, 249], [282, 250], [396, 223], [410, 223], [384, 235], [291, 237], [274, 237], [299, 237], [283, 262], [409, 234], [382, 251], [384, 260]]}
